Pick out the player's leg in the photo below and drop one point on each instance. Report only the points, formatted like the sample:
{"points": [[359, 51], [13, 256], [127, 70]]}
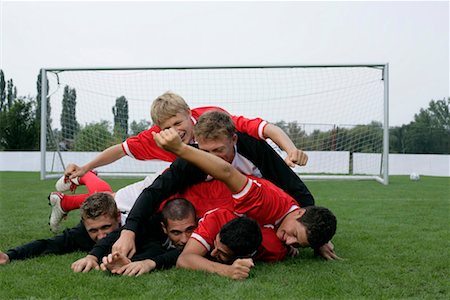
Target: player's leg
{"points": [[61, 204]]}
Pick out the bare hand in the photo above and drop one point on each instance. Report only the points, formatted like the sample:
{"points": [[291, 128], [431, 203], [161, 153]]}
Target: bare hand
{"points": [[240, 269], [292, 252], [85, 264], [168, 140], [4, 258], [296, 156], [125, 244], [327, 252], [114, 262], [73, 171], [137, 268]]}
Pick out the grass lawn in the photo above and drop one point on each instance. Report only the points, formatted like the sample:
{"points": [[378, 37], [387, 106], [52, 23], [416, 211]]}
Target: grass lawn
{"points": [[394, 240]]}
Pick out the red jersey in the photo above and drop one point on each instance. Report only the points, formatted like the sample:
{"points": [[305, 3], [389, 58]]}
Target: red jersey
{"points": [[209, 226], [143, 147], [205, 196], [263, 201]]}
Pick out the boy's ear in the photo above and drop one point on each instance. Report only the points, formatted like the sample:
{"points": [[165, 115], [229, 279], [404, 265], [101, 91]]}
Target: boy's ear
{"points": [[234, 138], [164, 227]]}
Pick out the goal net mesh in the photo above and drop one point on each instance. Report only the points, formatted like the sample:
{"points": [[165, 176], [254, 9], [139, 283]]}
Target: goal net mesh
{"points": [[335, 113]]}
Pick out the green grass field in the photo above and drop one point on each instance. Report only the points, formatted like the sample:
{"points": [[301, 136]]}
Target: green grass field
{"points": [[395, 241]]}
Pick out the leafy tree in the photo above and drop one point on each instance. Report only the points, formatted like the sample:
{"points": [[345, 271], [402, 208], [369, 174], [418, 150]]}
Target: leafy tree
{"points": [[98, 132], [12, 93], [69, 124], [294, 131], [137, 128], [397, 139], [17, 126], [38, 101], [120, 112], [430, 130], [2, 91], [38, 109]]}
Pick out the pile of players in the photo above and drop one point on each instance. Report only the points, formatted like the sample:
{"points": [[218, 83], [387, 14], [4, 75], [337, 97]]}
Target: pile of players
{"points": [[227, 200]]}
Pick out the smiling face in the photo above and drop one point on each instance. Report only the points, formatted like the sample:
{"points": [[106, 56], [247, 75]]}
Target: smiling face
{"points": [[179, 231], [182, 123], [291, 232], [99, 227]]}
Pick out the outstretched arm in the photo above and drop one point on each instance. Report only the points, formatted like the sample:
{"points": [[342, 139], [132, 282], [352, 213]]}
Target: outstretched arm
{"points": [[279, 137], [108, 156], [218, 168]]}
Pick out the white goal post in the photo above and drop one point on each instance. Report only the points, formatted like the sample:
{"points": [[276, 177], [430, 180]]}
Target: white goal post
{"points": [[338, 114]]}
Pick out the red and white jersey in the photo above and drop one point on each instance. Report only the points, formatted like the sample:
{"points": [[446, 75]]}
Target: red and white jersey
{"points": [[263, 201], [143, 147], [209, 226], [271, 249]]}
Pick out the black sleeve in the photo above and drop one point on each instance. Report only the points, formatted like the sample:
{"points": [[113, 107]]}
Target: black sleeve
{"points": [[103, 246], [71, 240], [273, 168], [175, 179], [150, 231], [163, 258], [167, 260]]}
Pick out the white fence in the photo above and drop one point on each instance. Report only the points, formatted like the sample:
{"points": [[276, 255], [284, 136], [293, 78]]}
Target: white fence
{"points": [[399, 164]]}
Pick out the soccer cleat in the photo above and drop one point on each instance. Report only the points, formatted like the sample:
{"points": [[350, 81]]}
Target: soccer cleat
{"points": [[54, 200], [64, 184]]}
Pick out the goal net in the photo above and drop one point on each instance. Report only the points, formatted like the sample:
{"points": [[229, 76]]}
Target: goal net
{"points": [[336, 114]]}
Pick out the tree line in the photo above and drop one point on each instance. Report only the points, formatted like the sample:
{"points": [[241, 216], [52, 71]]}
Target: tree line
{"points": [[20, 121], [428, 133]]}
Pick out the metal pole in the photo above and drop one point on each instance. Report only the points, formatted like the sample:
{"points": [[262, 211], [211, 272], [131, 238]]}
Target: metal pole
{"points": [[386, 125], [43, 120]]}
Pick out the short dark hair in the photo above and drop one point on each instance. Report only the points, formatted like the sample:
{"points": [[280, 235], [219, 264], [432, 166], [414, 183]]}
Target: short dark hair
{"points": [[99, 204], [214, 124], [177, 209], [242, 236], [320, 225]]}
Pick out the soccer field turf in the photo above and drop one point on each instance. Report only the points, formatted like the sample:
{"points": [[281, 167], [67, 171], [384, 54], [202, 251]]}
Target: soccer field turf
{"points": [[394, 240]]}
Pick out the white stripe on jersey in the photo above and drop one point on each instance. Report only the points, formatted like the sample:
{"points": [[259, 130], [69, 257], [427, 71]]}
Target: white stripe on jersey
{"points": [[244, 190], [261, 129], [127, 149], [293, 207], [201, 240]]}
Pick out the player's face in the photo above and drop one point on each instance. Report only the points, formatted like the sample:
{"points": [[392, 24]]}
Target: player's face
{"points": [[183, 124], [99, 227], [222, 147], [221, 252], [291, 232], [179, 231]]}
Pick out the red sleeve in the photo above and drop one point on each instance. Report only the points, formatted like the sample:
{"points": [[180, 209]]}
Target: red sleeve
{"points": [[144, 147], [263, 201], [271, 249], [209, 226], [253, 127]]}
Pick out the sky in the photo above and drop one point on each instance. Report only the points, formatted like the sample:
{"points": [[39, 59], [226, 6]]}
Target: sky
{"points": [[413, 37]]}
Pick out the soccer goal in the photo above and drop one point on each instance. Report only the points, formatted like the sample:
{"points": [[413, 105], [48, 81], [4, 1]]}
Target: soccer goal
{"points": [[338, 114]]}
